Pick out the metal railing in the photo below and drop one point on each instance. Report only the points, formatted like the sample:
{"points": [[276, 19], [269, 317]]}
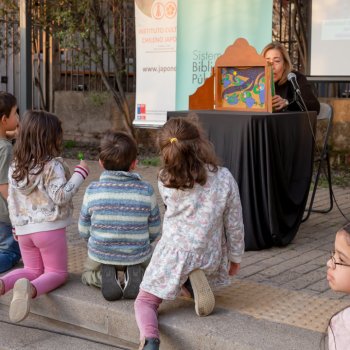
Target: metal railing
{"points": [[9, 55], [80, 73], [290, 25], [75, 73]]}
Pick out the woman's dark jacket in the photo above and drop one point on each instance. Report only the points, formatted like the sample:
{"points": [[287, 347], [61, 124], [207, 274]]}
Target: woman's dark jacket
{"points": [[286, 91]]}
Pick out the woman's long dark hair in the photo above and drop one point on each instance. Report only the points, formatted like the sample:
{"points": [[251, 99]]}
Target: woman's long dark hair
{"points": [[187, 153], [39, 140]]}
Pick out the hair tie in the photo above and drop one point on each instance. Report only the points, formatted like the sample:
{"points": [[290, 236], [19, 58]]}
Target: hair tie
{"points": [[173, 139]]}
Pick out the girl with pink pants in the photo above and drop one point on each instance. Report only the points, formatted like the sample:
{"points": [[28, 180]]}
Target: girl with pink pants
{"points": [[40, 193]]}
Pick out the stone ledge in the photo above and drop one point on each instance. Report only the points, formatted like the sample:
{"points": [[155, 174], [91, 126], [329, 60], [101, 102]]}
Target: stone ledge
{"points": [[180, 328]]}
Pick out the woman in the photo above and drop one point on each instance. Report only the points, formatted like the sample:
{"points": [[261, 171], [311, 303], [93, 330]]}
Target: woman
{"points": [[284, 99]]}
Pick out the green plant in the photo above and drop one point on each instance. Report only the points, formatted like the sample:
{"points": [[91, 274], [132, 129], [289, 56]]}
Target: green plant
{"points": [[340, 176], [98, 99], [69, 144], [92, 30], [153, 161]]}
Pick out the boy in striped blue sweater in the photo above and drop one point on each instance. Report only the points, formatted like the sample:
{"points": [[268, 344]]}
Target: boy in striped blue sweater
{"points": [[120, 219]]}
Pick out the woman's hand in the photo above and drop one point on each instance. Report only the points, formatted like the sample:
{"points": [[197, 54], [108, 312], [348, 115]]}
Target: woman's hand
{"points": [[279, 103], [234, 268]]}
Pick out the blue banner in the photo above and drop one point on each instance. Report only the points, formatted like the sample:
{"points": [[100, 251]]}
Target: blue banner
{"points": [[205, 28]]}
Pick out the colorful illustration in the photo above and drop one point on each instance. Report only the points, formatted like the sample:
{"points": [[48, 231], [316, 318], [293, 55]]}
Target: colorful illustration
{"points": [[243, 87]]}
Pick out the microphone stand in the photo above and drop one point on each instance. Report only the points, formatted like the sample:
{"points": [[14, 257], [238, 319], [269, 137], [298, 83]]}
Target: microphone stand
{"points": [[297, 98]]}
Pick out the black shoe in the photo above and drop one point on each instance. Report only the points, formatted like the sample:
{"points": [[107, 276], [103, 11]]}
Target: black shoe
{"points": [[150, 344], [188, 286], [111, 288], [133, 279]]}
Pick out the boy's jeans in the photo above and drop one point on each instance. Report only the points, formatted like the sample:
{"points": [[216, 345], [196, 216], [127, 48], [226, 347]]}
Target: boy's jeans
{"points": [[9, 249]]}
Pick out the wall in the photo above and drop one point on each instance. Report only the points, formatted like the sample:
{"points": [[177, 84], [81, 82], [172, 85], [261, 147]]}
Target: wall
{"points": [[341, 123], [340, 134], [86, 115]]}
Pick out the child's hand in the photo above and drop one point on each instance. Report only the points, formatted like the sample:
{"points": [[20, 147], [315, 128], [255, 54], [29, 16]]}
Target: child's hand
{"points": [[15, 237], [84, 165], [234, 268]]}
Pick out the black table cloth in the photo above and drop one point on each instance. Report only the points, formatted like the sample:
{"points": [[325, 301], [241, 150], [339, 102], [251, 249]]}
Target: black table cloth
{"points": [[270, 155]]}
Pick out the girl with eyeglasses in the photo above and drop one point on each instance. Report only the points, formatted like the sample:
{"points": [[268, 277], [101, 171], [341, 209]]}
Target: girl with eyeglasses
{"points": [[338, 276]]}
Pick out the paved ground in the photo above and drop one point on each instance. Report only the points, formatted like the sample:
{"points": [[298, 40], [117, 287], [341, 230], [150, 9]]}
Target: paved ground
{"points": [[299, 268], [279, 300]]}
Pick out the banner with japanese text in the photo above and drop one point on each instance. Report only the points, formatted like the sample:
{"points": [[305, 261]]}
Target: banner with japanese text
{"points": [[177, 43], [155, 25]]}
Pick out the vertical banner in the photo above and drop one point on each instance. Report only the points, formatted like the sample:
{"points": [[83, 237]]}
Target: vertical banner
{"points": [[206, 28], [156, 28]]}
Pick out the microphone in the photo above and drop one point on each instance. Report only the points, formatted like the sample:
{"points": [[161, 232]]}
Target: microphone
{"points": [[292, 78]]}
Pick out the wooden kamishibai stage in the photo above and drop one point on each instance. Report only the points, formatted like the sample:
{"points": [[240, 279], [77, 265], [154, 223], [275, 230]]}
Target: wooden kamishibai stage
{"points": [[269, 154]]}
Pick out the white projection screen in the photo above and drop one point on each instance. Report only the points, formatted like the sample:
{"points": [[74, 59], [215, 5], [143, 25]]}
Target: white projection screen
{"points": [[330, 39]]}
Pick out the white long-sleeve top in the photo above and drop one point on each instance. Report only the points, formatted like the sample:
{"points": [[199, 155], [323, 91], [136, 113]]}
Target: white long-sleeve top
{"points": [[339, 331], [44, 202]]}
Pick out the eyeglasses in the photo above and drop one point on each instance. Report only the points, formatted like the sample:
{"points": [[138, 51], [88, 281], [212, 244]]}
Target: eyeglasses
{"points": [[334, 263]]}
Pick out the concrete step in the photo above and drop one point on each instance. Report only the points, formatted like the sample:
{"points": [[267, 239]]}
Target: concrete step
{"points": [[80, 306], [40, 333]]}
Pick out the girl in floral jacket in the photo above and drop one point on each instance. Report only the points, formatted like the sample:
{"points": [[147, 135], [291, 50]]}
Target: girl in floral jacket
{"points": [[203, 235]]}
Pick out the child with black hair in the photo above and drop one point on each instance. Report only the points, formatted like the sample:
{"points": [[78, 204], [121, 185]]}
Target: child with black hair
{"points": [[120, 219], [338, 276], [9, 249]]}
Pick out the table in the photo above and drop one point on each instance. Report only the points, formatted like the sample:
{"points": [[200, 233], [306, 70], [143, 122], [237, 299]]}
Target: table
{"points": [[271, 156]]}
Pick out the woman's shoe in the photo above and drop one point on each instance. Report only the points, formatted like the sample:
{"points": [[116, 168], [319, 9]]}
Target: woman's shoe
{"points": [[203, 296], [20, 304], [149, 344], [111, 288]]}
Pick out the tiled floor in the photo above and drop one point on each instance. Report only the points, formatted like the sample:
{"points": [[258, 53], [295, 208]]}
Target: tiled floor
{"points": [[289, 283]]}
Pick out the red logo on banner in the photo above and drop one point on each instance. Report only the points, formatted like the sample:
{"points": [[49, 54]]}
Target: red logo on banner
{"points": [[170, 9], [158, 10]]}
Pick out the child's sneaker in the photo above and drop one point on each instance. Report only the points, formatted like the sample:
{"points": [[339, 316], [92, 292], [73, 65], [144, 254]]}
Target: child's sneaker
{"points": [[149, 344], [111, 288], [133, 279], [20, 304], [203, 296]]}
